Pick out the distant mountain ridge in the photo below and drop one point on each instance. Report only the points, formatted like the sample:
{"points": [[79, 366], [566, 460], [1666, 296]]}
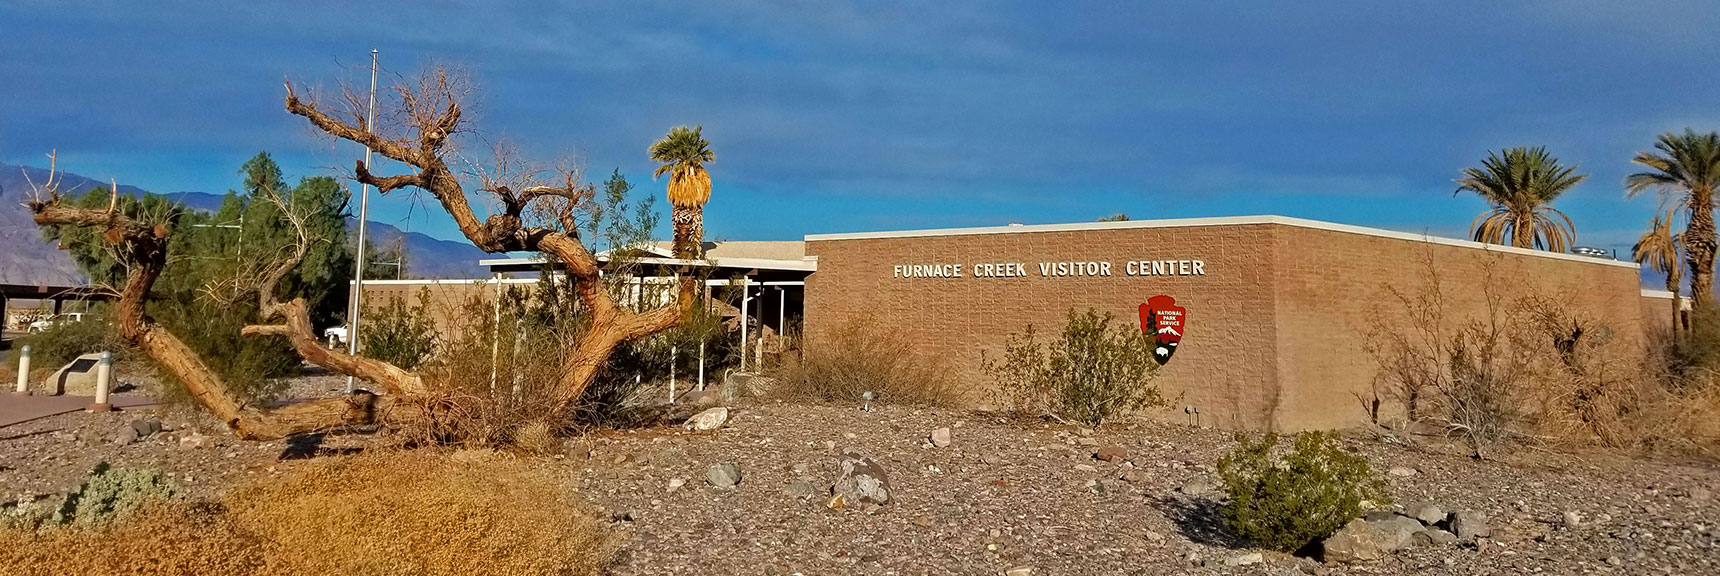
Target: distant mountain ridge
{"points": [[28, 259]]}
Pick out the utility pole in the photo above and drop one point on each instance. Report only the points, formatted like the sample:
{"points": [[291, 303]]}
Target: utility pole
{"points": [[363, 218]]}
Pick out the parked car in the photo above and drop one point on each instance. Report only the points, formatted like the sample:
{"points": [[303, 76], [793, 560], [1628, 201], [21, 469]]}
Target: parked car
{"points": [[335, 337], [54, 320]]}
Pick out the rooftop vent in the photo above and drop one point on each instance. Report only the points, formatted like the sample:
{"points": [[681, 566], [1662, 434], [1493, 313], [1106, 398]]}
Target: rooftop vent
{"points": [[1592, 252]]}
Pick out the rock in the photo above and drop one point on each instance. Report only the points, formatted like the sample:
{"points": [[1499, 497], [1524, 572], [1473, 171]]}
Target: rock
{"points": [[800, 489], [1366, 541], [941, 437], [145, 427], [701, 398], [1402, 472], [76, 378], [195, 440], [1113, 453], [126, 436], [1379, 515], [1244, 559], [1135, 476], [991, 459], [1085, 441], [1427, 513], [1469, 525], [1440, 537], [859, 480], [711, 419], [724, 475], [1572, 519], [1085, 468], [1198, 487], [676, 484], [1020, 571]]}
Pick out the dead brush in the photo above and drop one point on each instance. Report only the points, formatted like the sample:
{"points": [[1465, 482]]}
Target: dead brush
{"points": [[859, 356], [387, 513]]}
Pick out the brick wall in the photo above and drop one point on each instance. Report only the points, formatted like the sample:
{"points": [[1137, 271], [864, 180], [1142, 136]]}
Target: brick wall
{"points": [[1276, 325]]}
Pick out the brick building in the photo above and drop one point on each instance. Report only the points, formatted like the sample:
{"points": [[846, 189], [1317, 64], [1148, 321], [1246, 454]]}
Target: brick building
{"points": [[1278, 310]]}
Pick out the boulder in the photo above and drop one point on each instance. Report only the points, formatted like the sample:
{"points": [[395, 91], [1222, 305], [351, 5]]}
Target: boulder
{"points": [[800, 489], [708, 420], [1366, 541], [1245, 559], [1469, 525], [860, 479], [1427, 513], [940, 437], [724, 475], [145, 427]]}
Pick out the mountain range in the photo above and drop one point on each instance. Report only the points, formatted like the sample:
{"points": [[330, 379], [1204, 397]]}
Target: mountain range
{"points": [[25, 258]]}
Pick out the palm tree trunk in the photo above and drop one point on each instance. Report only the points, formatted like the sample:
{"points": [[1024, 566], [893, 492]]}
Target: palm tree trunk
{"points": [[1523, 231], [690, 224], [1699, 244]]}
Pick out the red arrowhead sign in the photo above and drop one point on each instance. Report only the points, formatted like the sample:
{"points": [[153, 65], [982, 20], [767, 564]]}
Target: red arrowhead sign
{"points": [[1162, 319]]}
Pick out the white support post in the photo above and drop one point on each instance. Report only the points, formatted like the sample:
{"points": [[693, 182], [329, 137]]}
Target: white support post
{"points": [[746, 296], [496, 332], [674, 355], [104, 382], [23, 388], [701, 366], [781, 317]]}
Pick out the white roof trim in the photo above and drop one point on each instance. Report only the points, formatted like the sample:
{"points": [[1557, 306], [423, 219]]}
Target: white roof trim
{"points": [[763, 263], [1663, 294], [1216, 221]]}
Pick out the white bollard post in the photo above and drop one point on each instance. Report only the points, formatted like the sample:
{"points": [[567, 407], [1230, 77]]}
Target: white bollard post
{"points": [[23, 388], [674, 353], [701, 366], [104, 379]]}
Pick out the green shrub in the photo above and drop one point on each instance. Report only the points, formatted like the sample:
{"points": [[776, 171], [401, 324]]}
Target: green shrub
{"points": [[1092, 373], [399, 334], [65, 341], [1285, 504], [112, 492]]}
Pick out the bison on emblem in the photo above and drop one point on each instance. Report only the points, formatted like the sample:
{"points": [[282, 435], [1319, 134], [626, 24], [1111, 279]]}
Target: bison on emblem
{"points": [[1166, 322]]}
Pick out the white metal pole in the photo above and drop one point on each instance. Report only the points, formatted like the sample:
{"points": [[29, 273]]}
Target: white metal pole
{"points": [[104, 382], [674, 354], [701, 365], [23, 371], [746, 294], [496, 332], [781, 317], [363, 217]]}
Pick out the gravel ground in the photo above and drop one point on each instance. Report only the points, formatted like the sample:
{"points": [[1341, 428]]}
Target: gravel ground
{"points": [[1001, 495]]}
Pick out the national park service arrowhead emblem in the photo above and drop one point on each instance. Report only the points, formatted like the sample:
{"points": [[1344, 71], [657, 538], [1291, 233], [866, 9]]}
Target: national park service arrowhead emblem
{"points": [[1162, 319]]}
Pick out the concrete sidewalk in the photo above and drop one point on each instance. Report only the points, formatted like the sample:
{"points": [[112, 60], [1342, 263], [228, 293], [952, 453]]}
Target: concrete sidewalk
{"points": [[15, 409]]}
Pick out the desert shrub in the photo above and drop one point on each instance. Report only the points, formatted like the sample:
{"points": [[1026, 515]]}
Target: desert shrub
{"points": [[859, 356], [1092, 373], [64, 342], [395, 513], [400, 334], [1308, 494], [109, 492]]}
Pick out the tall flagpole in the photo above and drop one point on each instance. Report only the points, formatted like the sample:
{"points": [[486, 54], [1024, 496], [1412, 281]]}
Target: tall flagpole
{"points": [[363, 220]]}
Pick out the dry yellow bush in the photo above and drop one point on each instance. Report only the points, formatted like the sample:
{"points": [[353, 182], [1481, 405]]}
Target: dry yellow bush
{"points": [[861, 356], [406, 512]]}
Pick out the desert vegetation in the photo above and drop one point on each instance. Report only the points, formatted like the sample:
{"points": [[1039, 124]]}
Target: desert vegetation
{"points": [[1094, 371]]}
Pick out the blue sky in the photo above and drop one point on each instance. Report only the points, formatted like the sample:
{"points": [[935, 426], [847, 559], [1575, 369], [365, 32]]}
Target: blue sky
{"points": [[879, 115]]}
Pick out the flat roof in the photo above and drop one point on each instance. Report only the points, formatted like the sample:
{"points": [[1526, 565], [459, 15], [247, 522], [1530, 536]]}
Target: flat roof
{"points": [[1216, 221]]}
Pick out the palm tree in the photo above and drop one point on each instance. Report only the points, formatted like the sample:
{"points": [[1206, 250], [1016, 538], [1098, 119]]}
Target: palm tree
{"points": [[1658, 249], [1520, 183], [1687, 166], [683, 155]]}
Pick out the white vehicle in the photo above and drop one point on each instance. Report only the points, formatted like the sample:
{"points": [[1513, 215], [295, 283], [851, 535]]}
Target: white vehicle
{"points": [[54, 320], [335, 337]]}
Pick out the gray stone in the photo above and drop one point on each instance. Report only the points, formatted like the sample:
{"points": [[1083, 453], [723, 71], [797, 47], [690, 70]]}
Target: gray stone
{"points": [[1366, 541], [860, 479], [145, 427], [941, 437], [1198, 487], [1440, 537], [724, 475], [711, 419], [676, 484], [195, 440], [1379, 515], [1401, 472], [125, 436], [1469, 525], [1085, 441], [1020, 571], [1244, 559], [800, 489], [1428, 513], [1572, 519]]}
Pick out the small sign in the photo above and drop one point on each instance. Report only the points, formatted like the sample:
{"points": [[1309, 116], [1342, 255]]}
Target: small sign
{"points": [[1166, 322]]}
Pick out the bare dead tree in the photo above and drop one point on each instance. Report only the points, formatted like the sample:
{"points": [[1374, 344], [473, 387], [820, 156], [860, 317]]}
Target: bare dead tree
{"points": [[533, 211]]}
